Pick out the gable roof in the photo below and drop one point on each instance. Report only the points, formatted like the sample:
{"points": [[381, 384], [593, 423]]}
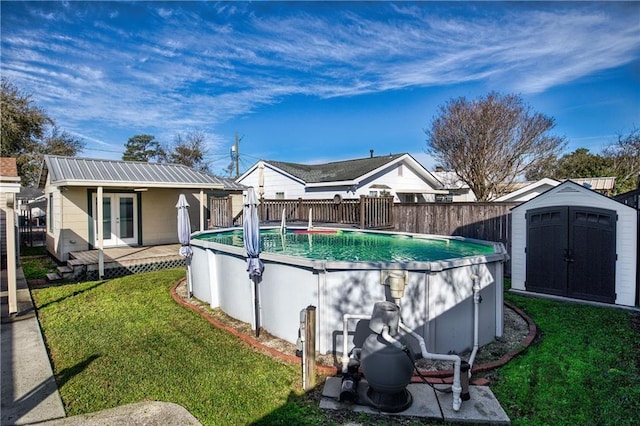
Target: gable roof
{"points": [[336, 171], [346, 172], [73, 171], [569, 186]]}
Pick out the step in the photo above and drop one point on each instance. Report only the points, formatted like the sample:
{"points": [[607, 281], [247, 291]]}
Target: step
{"points": [[74, 262], [64, 270], [53, 277]]}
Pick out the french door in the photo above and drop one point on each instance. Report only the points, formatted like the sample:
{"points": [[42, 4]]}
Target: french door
{"points": [[120, 219]]}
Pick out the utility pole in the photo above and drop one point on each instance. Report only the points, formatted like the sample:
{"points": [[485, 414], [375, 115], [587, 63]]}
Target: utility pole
{"points": [[237, 157]]}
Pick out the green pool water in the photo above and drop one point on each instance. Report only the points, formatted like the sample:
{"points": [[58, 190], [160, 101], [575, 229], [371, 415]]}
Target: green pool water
{"points": [[354, 246]]}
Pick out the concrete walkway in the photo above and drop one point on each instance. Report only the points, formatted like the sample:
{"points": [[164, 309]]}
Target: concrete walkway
{"points": [[29, 393], [29, 390]]}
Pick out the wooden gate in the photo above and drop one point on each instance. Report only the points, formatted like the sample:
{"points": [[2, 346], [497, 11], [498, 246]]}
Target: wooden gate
{"points": [[571, 251]]}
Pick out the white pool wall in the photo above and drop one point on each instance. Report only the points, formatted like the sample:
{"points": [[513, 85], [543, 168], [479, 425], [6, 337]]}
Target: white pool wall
{"points": [[437, 304]]}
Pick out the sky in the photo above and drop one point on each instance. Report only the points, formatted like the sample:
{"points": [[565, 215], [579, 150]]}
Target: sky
{"points": [[314, 82]]}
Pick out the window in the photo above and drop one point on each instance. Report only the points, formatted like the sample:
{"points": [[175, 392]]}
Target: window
{"points": [[373, 193], [279, 195], [444, 198]]}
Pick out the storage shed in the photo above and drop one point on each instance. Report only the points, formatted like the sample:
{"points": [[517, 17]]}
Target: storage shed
{"points": [[573, 242]]}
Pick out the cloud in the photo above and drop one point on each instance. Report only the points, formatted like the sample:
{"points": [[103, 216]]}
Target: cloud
{"points": [[200, 65]]}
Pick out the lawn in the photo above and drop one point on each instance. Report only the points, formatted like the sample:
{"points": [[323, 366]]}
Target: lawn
{"points": [[125, 340]]}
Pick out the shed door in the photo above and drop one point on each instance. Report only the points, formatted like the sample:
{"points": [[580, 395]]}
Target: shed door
{"points": [[571, 252]]}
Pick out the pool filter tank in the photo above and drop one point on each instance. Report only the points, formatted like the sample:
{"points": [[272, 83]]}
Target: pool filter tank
{"points": [[386, 361]]}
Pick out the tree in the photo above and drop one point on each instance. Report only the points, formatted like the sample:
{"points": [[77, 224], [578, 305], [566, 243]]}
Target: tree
{"points": [[579, 163], [189, 150], [54, 142], [491, 141], [143, 148], [28, 133], [625, 157]]}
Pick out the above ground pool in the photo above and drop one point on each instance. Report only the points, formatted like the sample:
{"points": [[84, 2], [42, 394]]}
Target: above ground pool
{"points": [[341, 245], [342, 271]]}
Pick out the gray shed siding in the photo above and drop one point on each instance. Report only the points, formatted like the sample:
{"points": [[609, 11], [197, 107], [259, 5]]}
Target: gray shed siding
{"points": [[571, 194]]}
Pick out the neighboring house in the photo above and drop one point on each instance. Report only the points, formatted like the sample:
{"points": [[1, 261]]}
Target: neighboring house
{"points": [[138, 202], [525, 191], [397, 175], [9, 187], [459, 191]]}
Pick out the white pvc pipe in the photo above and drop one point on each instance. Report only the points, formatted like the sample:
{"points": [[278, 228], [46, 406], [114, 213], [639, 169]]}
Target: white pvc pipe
{"points": [[283, 225], [476, 302], [345, 337], [456, 388]]}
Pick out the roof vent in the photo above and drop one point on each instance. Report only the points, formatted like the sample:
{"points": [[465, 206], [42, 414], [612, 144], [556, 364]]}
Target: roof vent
{"points": [[371, 153]]}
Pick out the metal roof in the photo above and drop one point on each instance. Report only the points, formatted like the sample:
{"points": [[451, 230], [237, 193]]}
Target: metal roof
{"points": [[73, 171]]}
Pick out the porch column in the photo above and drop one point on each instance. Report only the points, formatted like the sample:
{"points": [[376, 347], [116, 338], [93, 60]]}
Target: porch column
{"points": [[11, 254], [202, 203], [99, 233]]}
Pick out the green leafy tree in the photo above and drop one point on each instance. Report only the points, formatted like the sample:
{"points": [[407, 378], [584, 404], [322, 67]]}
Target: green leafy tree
{"points": [[625, 158], [579, 164], [189, 149], [28, 133], [491, 141], [143, 148]]}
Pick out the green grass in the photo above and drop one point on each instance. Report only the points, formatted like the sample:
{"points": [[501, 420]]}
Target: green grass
{"points": [[584, 369], [125, 340], [36, 266]]}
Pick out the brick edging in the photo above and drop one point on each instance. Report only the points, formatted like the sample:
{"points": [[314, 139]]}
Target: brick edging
{"points": [[446, 376], [323, 369], [443, 376]]}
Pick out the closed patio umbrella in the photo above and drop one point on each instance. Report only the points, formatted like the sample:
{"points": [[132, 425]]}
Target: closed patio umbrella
{"points": [[251, 237], [184, 235]]}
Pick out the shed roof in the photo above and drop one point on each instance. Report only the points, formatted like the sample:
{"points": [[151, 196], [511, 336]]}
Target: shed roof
{"points": [[73, 171]]}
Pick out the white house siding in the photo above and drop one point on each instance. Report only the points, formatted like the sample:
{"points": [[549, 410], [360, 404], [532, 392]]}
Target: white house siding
{"points": [[574, 195], [274, 182], [278, 182], [74, 230]]}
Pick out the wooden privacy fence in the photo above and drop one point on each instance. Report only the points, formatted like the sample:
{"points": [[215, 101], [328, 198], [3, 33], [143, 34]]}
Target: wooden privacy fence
{"points": [[365, 212]]}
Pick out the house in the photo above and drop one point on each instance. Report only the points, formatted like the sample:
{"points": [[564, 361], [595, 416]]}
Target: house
{"points": [[574, 242], [459, 191], [397, 175], [525, 191], [9, 187], [138, 202]]}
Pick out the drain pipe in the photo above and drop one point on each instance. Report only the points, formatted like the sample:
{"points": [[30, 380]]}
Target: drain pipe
{"points": [[456, 387], [477, 299]]}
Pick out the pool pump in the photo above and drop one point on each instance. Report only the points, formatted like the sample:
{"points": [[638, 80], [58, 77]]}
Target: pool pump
{"points": [[386, 362]]}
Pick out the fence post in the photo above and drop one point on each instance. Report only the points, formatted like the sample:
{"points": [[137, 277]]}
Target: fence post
{"points": [[300, 217], [362, 212], [229, 211], [308, 340]]}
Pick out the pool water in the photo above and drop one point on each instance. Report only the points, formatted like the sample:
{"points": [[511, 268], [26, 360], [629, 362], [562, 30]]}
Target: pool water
{"points": [[354, 246]]}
